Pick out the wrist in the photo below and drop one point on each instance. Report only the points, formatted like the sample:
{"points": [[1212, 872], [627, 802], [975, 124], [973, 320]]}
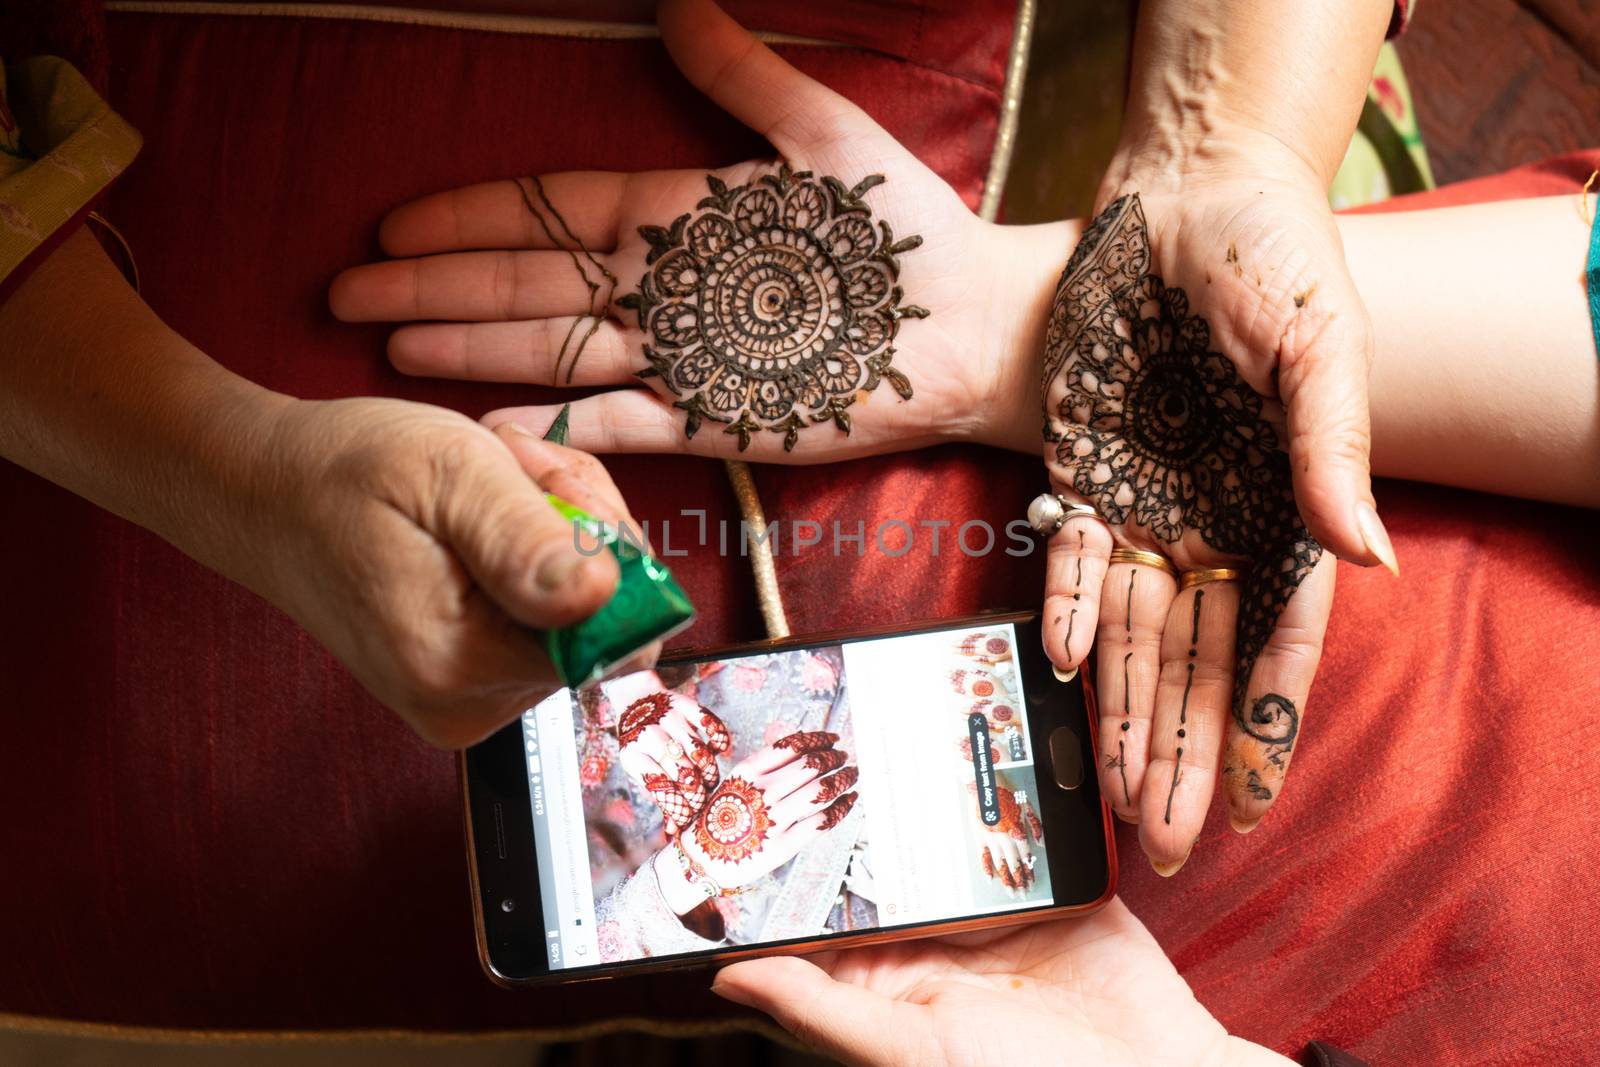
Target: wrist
{"points": [[681, 894], [1155, 158]]}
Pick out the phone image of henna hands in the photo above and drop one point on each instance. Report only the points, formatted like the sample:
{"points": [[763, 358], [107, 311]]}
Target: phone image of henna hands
{"points": [[669, 746], [769, 807], [987, 647]]}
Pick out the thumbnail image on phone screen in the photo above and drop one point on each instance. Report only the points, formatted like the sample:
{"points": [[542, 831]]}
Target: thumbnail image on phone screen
{"points": [[789, 796]]}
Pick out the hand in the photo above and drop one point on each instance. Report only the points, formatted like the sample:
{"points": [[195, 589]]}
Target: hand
{"points": [[769, 300], [1092, 990], [769, 807], [1153, 428], [981, 692], [418, 547], [1006, 852], [669, 746]]}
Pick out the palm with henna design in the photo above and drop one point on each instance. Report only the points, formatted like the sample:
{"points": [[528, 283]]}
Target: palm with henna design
{"points": [[770, 310], [1180, 457], [770, 806]]}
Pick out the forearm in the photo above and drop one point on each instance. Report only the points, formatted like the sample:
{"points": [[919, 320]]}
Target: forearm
{"points": [[102, 398], [1485, 373], [1213, 77]]}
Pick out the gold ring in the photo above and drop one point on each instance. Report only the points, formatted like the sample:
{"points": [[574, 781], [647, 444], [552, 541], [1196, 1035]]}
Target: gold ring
{"points": [[1148, 559], [1190, 579]]}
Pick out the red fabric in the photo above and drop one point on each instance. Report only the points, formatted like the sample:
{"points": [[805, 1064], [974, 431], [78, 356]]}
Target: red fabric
{"points": [[207, 824]]}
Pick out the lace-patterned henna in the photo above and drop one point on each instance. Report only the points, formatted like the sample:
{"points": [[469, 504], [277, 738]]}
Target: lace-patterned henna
{"points": [[807, 741], [834, 813], [1007, 879], [825, 760], [735, 824], [676, 811], [835, 784], [716, 732], [644, 712], [773, 306], [1152, 426]]}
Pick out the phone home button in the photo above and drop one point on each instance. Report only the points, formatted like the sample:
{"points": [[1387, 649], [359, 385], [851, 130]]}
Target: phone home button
{"points": [[1066, 758]]}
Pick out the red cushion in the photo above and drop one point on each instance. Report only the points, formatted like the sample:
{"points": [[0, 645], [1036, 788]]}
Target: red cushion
{"points": [[208, 825]]}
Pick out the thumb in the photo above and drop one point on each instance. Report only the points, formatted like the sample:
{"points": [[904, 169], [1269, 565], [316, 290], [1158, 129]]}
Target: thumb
{"points": [[843, 1021], [747, 79], [520, 550], [1324, 363]]}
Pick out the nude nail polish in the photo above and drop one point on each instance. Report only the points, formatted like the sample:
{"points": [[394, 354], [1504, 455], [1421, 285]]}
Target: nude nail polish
{"points": [[1064, 676], [1376, 537]]}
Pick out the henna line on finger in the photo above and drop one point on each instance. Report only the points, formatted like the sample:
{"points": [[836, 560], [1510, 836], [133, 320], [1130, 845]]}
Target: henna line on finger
{"points": [[594, 315], [1194, 632], [1122, 766], [1131, 576], [1176, 768]]}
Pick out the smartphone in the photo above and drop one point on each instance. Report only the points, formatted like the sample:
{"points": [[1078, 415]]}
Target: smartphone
{"points": [[843, 789]]}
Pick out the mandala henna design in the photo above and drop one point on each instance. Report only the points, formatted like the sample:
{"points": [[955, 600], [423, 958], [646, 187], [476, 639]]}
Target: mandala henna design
{"points": [[1154, 427], [834, 813], [773, 305], [836, 784], [642, 713], [807, 741], [735, 824]]}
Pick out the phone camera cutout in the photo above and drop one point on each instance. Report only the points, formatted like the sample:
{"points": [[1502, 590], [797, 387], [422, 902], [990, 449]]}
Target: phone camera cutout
{"points": [[508, 905]]}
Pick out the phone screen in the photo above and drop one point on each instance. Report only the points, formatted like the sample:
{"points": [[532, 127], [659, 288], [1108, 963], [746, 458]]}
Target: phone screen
{"points": [[835, 789]]}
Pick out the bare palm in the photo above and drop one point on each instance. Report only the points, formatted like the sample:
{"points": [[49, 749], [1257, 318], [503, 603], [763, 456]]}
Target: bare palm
{"points": [[1097, 989]]}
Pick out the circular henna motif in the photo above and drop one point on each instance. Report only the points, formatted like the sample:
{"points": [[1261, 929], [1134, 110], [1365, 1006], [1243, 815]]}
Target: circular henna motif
{"points": [[773, 304], [1272, 719], [646, 711], [735, 823]]}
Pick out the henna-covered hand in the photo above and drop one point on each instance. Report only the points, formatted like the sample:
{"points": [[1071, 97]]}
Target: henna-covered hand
{"points": [[1006, 852], [770, 806], [669, 746], [1148, 423], [769, 310]]}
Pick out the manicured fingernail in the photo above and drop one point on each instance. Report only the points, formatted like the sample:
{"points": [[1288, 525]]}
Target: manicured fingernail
{"points": [[1167, 870], [1376, 537], [1131, 820], [1243, 826], [556, 571], [1064, 676]]}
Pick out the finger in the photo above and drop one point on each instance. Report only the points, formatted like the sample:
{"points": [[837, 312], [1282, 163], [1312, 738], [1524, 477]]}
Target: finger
{"points": [[574, 476], [696, 754], [1191, 715], [516, 547], [570, 210], [804, 803], [820, 823], [845, 1022], [1134, 602], [803, 772], [747, 79], [1075, 570], [1032, 821], [1265, 727], [661, 787], [1324, 360], [786, 750], [986, 862], [567, 350], [715, 730], [469, 287]]}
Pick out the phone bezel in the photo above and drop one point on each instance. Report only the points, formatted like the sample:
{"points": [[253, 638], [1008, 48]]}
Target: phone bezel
{"points": [[498, 810]]}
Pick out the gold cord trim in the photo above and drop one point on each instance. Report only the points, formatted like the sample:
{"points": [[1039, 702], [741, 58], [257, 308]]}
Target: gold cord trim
{"points": [[1005, 134]]}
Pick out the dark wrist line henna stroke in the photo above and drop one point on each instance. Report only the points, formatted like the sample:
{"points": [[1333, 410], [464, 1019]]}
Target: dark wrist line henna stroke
{"points": [[773, 305], [1152, 426]]}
